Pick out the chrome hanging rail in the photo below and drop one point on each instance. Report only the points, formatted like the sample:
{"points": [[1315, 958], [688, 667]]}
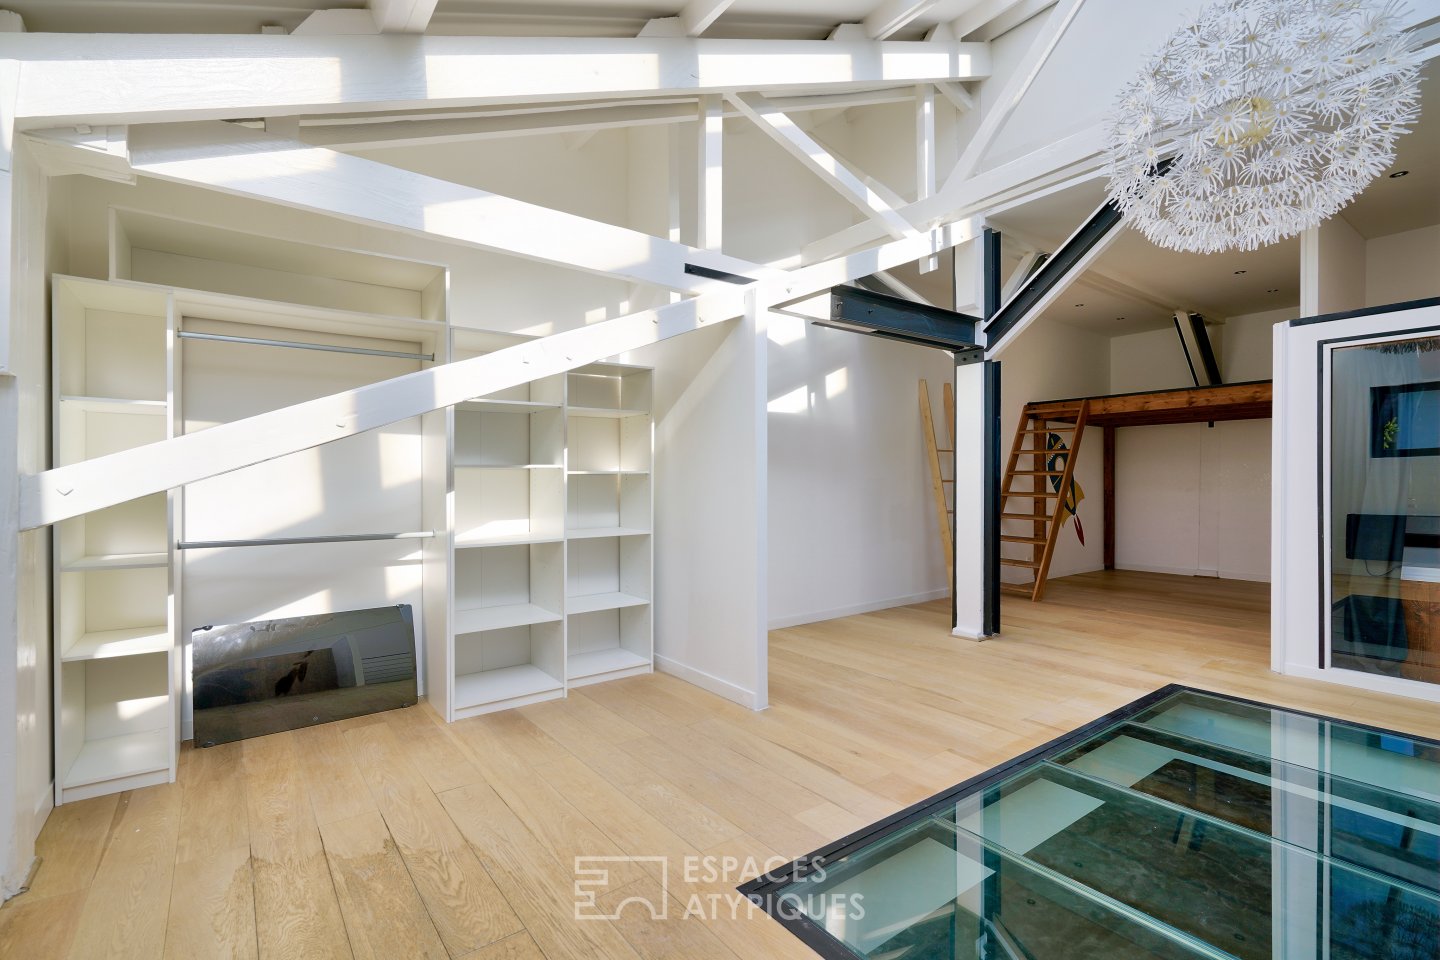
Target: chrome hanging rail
{"points": [[289, 541], [297, 345]]}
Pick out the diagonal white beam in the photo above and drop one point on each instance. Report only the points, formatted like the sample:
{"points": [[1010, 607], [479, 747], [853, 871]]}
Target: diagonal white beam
{"points": [[70, 491], [698, 15], [125, 79], [803, 147], [893, 15], [402, 16], [987, 19], [958, 96], [1015, 89], [240, 160]]}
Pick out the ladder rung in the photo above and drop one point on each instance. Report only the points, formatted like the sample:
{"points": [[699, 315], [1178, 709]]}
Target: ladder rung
{"points": [[1019, 589], [1012, 539], [944, 450], [947, 481], [1031, 494], [1051, 430], [1031, 564], [1038, 473], [1037, 517]]}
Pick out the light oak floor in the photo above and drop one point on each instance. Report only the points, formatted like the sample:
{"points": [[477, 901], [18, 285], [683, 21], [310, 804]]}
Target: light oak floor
{"points": [[395, 836]]}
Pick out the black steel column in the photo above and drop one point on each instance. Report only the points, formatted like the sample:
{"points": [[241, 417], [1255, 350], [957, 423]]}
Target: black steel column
{"points": [[991, 239]]}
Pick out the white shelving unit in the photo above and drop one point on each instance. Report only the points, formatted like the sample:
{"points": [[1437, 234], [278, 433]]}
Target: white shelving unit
{"points": [[551, 553], [609, 630], [116, 666]]}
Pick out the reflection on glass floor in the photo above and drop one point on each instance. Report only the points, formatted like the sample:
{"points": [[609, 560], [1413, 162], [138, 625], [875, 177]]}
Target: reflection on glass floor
{"points": [[1196, 826]]}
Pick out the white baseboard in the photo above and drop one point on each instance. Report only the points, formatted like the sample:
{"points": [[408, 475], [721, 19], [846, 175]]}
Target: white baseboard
{"points": [[711, 683], [780, 623], [1192, 572]]}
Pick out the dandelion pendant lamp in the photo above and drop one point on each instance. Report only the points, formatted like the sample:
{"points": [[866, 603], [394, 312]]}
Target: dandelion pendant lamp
{"points": [[1278, 112]]}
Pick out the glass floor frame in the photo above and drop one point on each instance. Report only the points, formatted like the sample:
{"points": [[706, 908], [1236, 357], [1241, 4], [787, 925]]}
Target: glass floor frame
{"points": [[1186, 824]]}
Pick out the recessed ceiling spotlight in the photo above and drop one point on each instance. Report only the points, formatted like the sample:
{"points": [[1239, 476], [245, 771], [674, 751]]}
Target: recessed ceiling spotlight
{"points": [[1079, 304], [1239, 272], [1273, 290], [1119, 318], [1398, 174]]}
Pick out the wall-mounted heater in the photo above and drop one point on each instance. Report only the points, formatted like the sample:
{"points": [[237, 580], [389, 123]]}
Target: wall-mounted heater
{"points": [[252, 679]]}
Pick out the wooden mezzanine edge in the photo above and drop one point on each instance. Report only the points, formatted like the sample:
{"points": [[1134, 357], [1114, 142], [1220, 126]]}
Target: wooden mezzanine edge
{"points": [[1231, 401]]}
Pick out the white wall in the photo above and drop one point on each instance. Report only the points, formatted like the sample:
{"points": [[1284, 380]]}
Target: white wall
{"points": [[1193, 499], [1053, 361], [1403, 266]]}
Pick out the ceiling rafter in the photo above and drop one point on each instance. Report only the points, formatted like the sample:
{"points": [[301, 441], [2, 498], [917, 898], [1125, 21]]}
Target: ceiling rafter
{"points": [[783, 130], [105, 78], [894, 15], [698, 15], [402, 16]]}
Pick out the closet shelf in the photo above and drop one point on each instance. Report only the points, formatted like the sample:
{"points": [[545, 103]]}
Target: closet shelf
{"points": [[502, 616], [507, 466], [103, 644], [506, 540], [506, 406], [117, 561], [590, 603], [150, 408], [605, 412], [581, 665], [125, 756], [609, 473], [591, 533], [507, 683]]}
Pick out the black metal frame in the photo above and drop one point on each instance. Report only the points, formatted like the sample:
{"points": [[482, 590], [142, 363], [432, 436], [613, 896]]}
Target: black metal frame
{"points": [[863, 311], [990, 613], [765, 889]]}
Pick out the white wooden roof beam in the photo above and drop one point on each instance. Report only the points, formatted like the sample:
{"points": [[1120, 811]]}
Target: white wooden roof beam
{"points": [[402, 16], [114, 78], [1014, 91], [70, 491], [894, 15], [987, 19], [698, 15], [247, 162], [819, 161]]}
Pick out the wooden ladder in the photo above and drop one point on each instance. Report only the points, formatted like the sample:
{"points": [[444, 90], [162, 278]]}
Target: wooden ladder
{"points": [[1048, 490], [943, 510]]}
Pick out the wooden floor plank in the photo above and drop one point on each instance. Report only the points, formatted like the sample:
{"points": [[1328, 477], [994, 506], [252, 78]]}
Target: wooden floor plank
{"points": [[383, 915], [297, 914], [129, 900], [472, 828], [212, 908], [467, 907]]}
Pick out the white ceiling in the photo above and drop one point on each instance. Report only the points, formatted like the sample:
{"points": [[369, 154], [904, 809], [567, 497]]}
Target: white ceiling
{"points": [[1213, 284], [796, 19]]}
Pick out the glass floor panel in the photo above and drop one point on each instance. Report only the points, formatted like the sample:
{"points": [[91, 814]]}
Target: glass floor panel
{"points": [[1185, 825]]}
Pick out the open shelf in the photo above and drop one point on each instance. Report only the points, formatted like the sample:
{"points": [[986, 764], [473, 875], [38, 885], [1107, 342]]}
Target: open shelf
{"points": [[606, 413], [608, 644], [598, 662], [115, 722], [505, 540], [506, 667], [117, 561], [115, 758], [529, 436], [127, 642], [609, 390], [500, 617], [506, 406], [590, 533], [608, 445], [589, 603], [608, 567], [508, 505], [153, 408], [502, 685]]}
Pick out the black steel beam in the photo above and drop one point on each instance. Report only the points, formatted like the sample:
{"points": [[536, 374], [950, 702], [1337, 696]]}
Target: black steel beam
{"points": [[990, 610], [895, 318], [1058, 266]]}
